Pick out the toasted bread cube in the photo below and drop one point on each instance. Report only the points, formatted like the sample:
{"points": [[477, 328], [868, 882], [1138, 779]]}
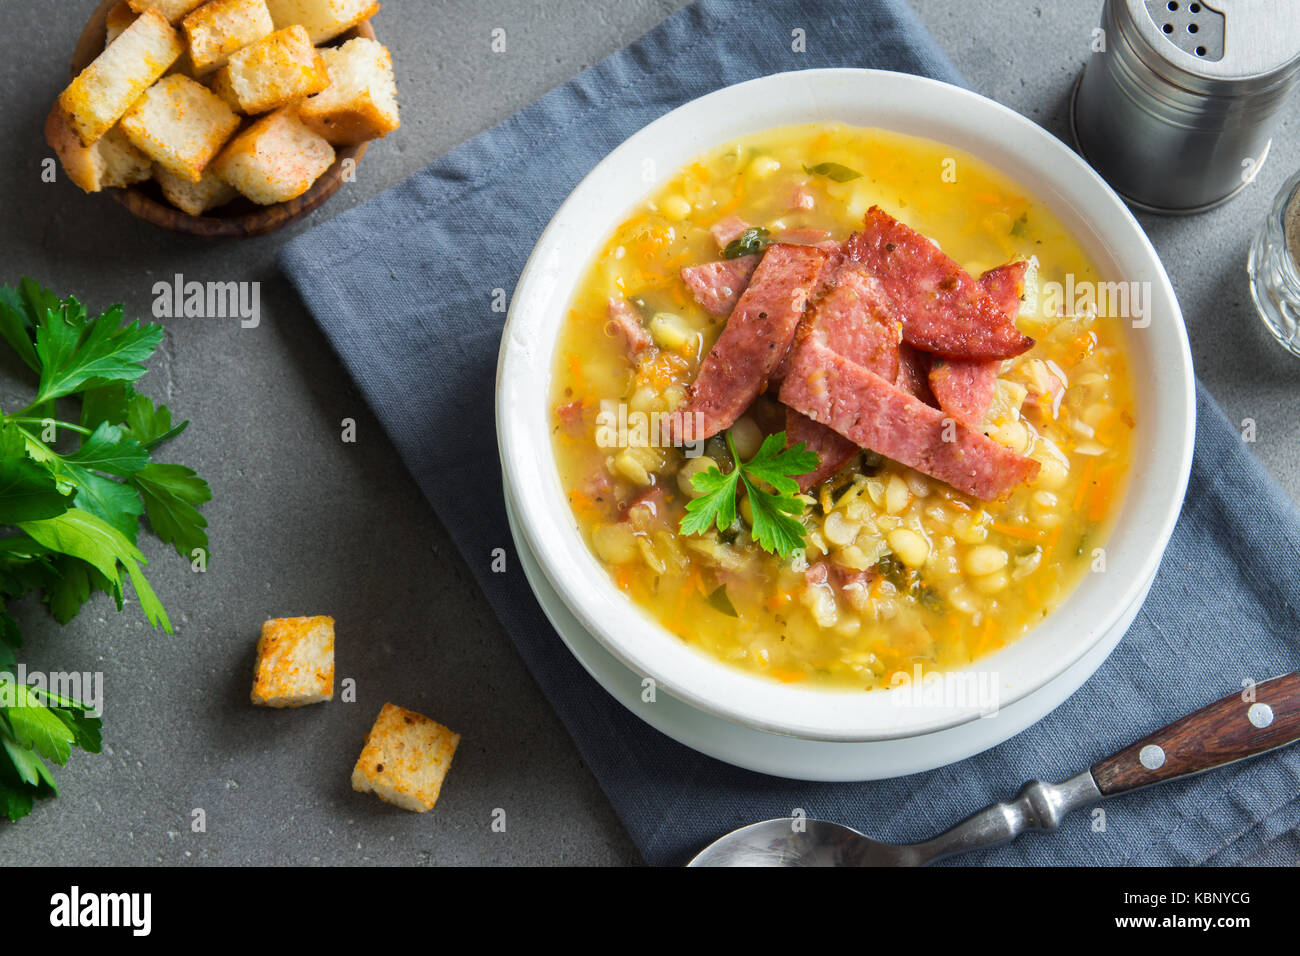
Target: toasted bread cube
{"points": [[405, 759], [173, 10], [194, 198], [219, 28], [276, 159], [103, 91], [180, 124], [361, 101], [295, 662], [111, 161], [275, 71], [119, 17], [324, 19]]}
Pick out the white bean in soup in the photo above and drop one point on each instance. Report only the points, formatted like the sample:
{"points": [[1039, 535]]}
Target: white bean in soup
{"points": [[897, 569]]}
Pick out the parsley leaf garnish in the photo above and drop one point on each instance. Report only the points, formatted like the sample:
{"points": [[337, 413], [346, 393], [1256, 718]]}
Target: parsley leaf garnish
{"points": [[776, 527], [721, 603], [71, 497], [172, 495], [28, 491], [76, 351], [753, 239], [833, 171]]}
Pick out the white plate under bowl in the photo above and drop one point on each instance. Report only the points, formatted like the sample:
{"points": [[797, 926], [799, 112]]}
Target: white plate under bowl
{"points": [[793, 757], [1045, 167]]}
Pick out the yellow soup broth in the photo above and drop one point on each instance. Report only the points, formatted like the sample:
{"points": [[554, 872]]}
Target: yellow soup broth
{"points": [[899, 569]]}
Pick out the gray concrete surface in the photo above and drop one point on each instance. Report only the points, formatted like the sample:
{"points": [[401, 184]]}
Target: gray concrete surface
{"points": [[302, 524]]}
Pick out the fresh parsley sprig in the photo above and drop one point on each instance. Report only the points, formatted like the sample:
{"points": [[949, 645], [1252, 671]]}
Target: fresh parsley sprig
{"points": [[775, 527], [71, 497], [36, 726]]}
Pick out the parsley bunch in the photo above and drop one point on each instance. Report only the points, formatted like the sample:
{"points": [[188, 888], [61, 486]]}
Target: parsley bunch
{"points": [[775, 528], [72, 493]]}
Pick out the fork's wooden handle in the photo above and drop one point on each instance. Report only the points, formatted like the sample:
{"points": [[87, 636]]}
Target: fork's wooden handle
{"points": [[1231, 729]]}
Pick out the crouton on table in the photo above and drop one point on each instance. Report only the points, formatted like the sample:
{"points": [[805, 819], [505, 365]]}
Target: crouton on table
{"points": [[295, 662], [221, 27], [111, 161], [105, 90], [405, 759], [360, 102], [324, 19], [278, 69], [180, 124], [276, 159], [194, 198]]}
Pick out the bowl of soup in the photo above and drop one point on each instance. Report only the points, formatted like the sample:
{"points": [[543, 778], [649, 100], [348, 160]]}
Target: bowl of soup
{"points": [[845, 404]]}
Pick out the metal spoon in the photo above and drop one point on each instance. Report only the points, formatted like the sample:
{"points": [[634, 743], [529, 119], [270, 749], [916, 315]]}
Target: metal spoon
{"points": [[1235, 728]]}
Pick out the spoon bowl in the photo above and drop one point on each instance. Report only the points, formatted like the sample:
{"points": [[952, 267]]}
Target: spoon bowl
{"points": [[798, 841]]}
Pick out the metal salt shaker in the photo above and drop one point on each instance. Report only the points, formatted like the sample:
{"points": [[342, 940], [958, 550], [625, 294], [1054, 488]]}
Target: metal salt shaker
{"points": [[1177, 105]]}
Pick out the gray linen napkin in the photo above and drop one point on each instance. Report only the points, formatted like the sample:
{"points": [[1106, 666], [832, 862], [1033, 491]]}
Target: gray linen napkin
{"points": [[403, 286]]}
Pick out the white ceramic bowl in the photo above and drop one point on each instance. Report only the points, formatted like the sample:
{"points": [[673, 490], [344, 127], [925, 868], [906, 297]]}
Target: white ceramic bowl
{"points": [[1162, 368]]}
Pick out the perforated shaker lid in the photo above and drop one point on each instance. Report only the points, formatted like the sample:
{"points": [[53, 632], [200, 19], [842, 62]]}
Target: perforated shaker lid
{"points": [[1224, 47]]}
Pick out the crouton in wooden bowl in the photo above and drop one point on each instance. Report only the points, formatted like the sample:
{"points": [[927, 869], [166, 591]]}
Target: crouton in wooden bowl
{"points": [[260, 118]]}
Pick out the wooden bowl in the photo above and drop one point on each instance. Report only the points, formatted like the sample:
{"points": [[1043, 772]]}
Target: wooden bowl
{"points": [[240, 218]]}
